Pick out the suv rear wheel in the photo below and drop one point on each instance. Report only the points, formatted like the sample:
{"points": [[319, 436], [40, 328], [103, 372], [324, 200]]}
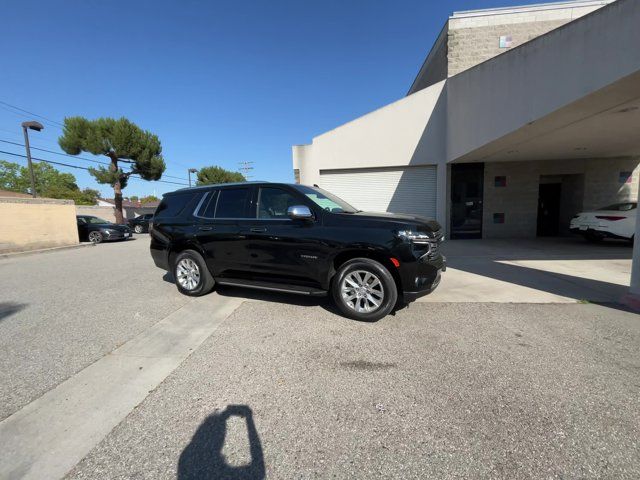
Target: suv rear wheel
{"points": [[363, 289], [192, 275]]}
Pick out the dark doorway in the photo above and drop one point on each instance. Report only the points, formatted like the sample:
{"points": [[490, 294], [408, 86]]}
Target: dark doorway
{"points": [[467, 185], [549, 209]]}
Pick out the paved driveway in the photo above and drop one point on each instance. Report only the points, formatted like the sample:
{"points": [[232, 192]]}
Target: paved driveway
{"points": [[545, 270], [108, 373]]}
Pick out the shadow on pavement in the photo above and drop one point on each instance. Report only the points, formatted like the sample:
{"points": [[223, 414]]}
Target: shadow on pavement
{"points": [[9, 308], [203, 457]]}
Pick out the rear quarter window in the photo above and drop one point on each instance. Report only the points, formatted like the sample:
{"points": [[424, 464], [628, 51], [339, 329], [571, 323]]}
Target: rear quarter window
{"points": [[176, 204]]}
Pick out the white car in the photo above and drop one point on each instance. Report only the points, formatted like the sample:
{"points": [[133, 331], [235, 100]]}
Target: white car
{"points": [[614, 221]]}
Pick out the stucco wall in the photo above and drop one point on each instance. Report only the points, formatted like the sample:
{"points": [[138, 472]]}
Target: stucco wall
{"points": [[409, 131], [601, 185], [435, 68], [32, 223]]}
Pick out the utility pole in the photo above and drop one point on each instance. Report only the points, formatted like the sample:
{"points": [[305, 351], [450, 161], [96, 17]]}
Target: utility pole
{"points": [[191, 170], [245, 168], [25, 127]]}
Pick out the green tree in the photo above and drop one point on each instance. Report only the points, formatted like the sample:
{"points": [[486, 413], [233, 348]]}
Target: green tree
{"points": [[149, 199], [119, 140], [134, 198], [50, 182], [10, 176], [213, 174]]}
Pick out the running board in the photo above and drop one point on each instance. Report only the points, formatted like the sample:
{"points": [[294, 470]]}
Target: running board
{"points": [[274, 287]]}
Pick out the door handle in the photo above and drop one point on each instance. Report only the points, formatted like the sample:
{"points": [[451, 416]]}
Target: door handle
{"points": [[205, 229], [259, 229]]}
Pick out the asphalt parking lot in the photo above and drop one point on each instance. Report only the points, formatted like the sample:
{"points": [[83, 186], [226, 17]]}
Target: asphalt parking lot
{"points": [[282, 387]]}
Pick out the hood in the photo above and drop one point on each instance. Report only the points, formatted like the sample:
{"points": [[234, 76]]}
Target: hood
{"points": [[431, 225], [112, 226], [617, 213]]}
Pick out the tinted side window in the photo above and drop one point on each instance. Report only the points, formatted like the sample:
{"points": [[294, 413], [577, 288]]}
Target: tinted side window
{"points": [[173, 205], [274, 203], [232, 203]]}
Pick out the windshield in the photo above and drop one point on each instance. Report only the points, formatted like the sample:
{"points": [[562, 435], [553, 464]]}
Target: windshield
{"points": [[96, 220], [326, 200]]}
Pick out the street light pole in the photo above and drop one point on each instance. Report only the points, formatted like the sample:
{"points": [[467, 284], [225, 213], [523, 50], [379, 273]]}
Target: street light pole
{"points": [[37, 127], [191, 170]]}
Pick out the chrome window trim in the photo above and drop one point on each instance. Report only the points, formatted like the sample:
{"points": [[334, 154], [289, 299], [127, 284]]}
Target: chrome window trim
{"points": [[197, 209]]}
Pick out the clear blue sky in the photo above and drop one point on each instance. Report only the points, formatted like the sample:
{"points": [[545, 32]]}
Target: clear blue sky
{"points": [[218, 82]]}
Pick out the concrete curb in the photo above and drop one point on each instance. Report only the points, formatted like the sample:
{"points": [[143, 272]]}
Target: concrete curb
{"points": [[44, 250]]}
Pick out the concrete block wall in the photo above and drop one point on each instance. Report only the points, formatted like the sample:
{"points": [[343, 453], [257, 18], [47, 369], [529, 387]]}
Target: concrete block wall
{"points": [[603, 183], [468, 47], [518, 200], [598, 179]]}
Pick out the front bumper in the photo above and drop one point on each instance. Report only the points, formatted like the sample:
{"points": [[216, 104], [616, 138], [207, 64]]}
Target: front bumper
{"points": [[424, 278], [117, 236], [595, 233], [413, 296]]}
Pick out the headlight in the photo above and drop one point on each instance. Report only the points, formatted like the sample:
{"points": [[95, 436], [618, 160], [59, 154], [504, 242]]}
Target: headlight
{"points": [[416, 237]]}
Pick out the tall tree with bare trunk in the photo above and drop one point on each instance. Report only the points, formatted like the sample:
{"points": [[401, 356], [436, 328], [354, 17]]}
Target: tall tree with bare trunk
{"points": [[121, 141]]}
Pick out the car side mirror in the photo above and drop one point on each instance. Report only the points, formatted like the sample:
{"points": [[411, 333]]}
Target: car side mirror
{"points": [[300, 212]]}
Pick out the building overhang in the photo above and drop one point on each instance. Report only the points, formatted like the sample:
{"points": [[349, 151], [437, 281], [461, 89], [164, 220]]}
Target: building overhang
{"points": [[572, 93], [603, 124]]}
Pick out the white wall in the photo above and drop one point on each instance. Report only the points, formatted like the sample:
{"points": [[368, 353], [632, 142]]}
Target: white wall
{"points": [[392, 135], [513, 90]]}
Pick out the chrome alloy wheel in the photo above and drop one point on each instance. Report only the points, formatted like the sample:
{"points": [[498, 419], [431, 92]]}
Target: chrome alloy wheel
{"points": [[138, 229], [362, 291], [188, 274], [95, 237]]}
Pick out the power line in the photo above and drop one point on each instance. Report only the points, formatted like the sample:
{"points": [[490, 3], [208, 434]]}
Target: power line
{"points": [[56, 153], [82, 168], [72, 156], [60, 125], [31, 113]]}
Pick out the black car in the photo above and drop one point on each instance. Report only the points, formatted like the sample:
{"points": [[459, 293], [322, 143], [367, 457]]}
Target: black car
{"points": [[98, 230], [297, 239], [140, 224]]}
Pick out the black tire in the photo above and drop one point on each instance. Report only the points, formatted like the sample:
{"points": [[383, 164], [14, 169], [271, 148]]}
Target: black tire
{"points": [[138, 229], [389, 290], [205, 281], [95, 237]]}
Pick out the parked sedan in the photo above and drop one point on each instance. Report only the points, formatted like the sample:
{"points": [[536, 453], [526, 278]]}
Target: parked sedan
{"points": [[98, 230], [140, 224], [614, 221]]}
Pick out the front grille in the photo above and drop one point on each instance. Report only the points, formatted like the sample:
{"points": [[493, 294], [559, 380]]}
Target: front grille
{"points": [[435, 243]]}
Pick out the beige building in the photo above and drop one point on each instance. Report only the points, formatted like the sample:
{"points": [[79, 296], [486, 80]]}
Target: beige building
{"points": [[519, 118]]}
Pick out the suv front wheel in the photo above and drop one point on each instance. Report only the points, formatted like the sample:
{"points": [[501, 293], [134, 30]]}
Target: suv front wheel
{"points": [[363, 289], [192, 275]]}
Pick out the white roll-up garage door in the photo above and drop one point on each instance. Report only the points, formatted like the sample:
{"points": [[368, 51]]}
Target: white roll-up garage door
{"points": [[402, 190]]}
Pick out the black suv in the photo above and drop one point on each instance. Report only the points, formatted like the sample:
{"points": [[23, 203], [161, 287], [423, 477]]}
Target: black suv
{"points": [[296, 239]]}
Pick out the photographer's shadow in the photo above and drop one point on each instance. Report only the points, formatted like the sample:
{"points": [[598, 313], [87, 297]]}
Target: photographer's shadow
{"points": [[203, 457]]}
